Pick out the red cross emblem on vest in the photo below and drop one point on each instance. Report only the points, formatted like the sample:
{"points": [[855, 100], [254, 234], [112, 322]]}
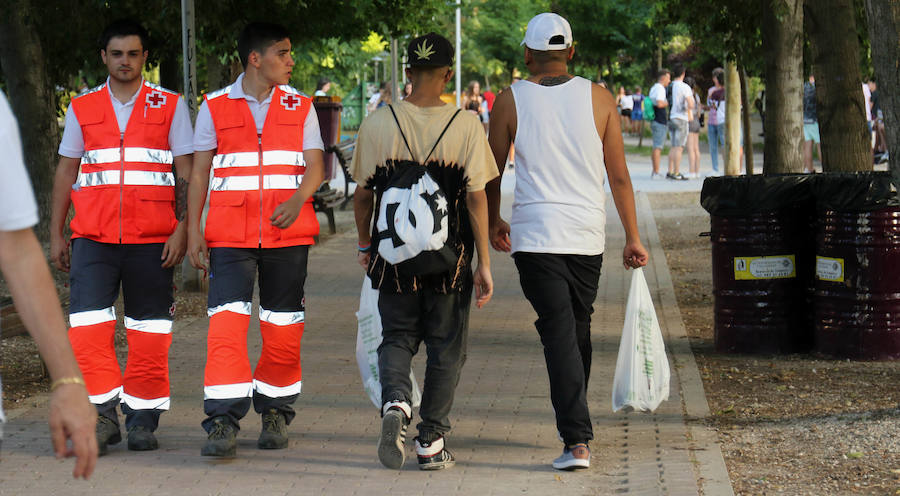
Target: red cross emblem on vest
{"points": [[289, 102], [156, 99]]}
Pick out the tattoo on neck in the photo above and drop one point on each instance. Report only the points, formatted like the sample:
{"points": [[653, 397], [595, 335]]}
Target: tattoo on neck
{"points": [[181, 191], [555, 80]]}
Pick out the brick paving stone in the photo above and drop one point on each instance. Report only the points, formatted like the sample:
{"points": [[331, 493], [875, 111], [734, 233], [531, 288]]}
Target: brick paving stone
{"points": [[503, 434]]}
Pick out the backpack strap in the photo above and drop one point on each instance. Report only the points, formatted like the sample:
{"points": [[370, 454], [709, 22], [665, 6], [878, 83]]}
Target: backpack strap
{"points": [[391, 106], [405, 141], [442, 135]]}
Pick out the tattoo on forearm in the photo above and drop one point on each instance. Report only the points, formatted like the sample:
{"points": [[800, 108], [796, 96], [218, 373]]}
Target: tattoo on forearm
{"points": [[181, 191], [555, 80]]}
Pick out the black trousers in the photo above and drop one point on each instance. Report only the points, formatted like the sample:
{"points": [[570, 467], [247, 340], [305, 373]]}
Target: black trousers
{"points": [[233, 273], [562, 289], [442, 322]]}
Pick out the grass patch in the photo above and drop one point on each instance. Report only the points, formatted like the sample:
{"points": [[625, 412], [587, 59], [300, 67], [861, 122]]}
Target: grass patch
{"points": [[644, 151]]}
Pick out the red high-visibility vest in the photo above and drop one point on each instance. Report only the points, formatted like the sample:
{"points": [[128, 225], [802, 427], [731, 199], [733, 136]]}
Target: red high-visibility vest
{"points": [[253, 174], [125, 190]]}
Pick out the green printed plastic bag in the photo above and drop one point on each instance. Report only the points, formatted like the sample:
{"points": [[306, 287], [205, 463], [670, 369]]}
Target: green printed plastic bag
{"points": [[642, 369]]}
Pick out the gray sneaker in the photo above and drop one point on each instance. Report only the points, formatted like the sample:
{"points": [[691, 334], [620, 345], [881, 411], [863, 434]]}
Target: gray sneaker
{"points": [[274, 431], [391, 444], [107, 433], [221, 440], [574, 458]]}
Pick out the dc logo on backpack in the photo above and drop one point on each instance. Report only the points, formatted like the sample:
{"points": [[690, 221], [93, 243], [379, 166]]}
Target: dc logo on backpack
{"points": [[411, 219], [412, 224]]}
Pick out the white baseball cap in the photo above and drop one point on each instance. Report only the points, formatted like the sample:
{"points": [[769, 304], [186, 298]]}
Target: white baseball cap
{"points": [[542, 28]]}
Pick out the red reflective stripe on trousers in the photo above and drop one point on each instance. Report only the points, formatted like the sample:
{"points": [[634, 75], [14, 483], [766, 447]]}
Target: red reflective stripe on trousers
{"points": [[94, 349], [279, 363], [226, 350], [147, 371]]}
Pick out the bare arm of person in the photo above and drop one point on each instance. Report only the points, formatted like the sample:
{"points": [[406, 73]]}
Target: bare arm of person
{"points": [[176, 245], [502, 135], [198, 252], [72, 417], [476, 201], [285, 214], [363, 208], [60, 199], [608, 126]]}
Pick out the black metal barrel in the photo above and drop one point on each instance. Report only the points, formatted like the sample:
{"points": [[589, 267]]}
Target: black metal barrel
{"points": [[762, 261], [857, 288]]}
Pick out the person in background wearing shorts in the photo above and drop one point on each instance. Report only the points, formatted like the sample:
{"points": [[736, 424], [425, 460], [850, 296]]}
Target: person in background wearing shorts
{"points": [[679, 119], [637, 112], [660, 120], [810, 124]]}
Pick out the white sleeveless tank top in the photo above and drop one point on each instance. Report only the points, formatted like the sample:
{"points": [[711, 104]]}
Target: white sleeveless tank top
{"points": [[559, 204]]}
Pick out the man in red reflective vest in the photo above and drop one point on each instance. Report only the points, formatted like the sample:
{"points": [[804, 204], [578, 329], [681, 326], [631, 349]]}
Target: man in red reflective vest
{"points": [[120, 144], [261, 139]]}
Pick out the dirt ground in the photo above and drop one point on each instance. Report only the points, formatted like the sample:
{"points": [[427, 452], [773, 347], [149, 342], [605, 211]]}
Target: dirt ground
{"points": [[790, 424]]}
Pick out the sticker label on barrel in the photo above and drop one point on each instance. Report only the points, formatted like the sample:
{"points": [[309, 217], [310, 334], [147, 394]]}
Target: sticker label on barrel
{"points": [[756, 268], [830, 269]]}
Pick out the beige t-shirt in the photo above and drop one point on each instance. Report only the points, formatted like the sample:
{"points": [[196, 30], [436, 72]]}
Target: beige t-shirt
{"points": [[462, 162], [464, 144]]}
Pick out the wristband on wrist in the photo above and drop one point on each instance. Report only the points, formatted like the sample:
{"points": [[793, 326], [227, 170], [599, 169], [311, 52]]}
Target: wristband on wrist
{"points": [[65, 380], [365, 249]]}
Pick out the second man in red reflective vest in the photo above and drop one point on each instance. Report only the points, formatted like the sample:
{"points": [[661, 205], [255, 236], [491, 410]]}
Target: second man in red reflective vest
{"points": [[261, 139], [117, 153]]}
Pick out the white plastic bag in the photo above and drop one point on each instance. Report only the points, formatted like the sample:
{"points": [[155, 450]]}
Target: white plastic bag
{"points": [[368, 337], [642, 370]]}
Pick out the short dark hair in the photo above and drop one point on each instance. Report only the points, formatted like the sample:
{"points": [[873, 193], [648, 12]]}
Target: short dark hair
{"points": [[677, 70], [121, 28], [322, 82], [257, 36], [718, 74], [661, 73], [548, 56]]}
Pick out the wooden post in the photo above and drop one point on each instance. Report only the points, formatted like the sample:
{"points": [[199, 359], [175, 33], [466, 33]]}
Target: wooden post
{"points": [[732, 120]]}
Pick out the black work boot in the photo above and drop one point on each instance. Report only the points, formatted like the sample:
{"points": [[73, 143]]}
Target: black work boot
{"points": [[221, 440], [107, 433], [141, 438], [274, 431]]}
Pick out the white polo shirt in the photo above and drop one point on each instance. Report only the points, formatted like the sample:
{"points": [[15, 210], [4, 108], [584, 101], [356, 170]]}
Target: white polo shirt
{"points": [[205, 131], [180, 132]]}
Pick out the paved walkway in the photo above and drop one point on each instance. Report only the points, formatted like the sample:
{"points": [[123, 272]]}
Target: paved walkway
{"points": [[504, 435]]}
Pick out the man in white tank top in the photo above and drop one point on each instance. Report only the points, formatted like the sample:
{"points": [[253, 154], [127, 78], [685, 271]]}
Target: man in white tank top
{"points": [[565, 130]]}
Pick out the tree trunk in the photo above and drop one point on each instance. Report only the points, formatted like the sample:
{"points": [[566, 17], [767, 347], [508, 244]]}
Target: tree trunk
{"points": [[215, 73], [745, 122], [840, 106], [32, 100], [732, 120], [884, 34], [170, 73], [782, 33]]}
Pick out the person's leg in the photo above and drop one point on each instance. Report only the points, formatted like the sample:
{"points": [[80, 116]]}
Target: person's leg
{"points": [[149, 311], [227, 381], [278, 374], [445, 324], [584, 281], [94, 281], [401, 335], [714, 131], [277, 378], [544, 280], [694, 153], [807, 156], [659, 139]]}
